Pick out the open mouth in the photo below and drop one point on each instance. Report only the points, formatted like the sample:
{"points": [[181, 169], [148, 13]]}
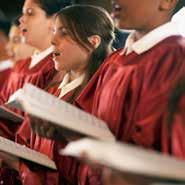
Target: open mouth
{"points": [[24, 31], [56, 54]]}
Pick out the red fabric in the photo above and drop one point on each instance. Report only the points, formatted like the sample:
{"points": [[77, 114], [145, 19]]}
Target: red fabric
{"points": [[40, 75], [4, 76], [131, 92], [173, 134], [67, 167]]}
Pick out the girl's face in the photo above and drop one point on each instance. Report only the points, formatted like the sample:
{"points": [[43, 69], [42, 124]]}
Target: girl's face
{"points": [[16, 48], [134, 14], [68, 55], [35, 25]]}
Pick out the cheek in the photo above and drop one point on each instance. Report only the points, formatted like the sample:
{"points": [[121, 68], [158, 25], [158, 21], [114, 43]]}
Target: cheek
{"points": [[72, 56]]}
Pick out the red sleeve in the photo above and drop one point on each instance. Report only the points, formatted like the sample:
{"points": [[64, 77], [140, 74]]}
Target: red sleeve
{"points": [[28, 177], [67, 166], [173, 142], [23, 134], [39, 76], [3, 77], [37, 177]]}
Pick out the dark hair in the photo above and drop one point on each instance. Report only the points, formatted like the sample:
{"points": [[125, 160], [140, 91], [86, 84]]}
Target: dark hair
{"points": [[16, 21], [106, 4], [52, 6], [180, 4], [83, 21], [4, 23]]}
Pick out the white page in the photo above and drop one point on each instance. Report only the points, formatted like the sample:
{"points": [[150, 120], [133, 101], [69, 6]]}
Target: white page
{"points": [[46, 106], [24, 152], [127, 158]]}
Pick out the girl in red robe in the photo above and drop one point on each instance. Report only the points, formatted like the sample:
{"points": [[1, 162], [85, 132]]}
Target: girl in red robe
{"points": [[90, 44], [38, 69], [36, 23]]}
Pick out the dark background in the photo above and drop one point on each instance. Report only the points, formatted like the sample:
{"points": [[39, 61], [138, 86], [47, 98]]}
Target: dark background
{"points": [[11, 7]]}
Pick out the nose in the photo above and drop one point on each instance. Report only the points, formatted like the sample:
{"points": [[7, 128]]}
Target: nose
{"points": [[21, 19], [53, 40]]}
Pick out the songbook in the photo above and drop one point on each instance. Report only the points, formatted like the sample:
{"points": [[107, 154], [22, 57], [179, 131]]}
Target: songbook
{"points": [[43, 105], [128, 159], [23, 152], [9, 115]]}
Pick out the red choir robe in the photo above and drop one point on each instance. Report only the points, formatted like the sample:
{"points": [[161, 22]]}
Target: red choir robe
{"points": [[131, 90], [39, 75], [173, 131], [67, 166]]}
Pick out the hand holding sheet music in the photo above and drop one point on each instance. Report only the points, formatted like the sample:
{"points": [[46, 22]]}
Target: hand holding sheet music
{"points": [[50, 131], [128, 159], [43, 105]]}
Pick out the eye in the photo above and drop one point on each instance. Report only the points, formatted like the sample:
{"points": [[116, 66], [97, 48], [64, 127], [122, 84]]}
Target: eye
{"points": [[60, 31], [29, 11], [54, 30], [63, 32]]}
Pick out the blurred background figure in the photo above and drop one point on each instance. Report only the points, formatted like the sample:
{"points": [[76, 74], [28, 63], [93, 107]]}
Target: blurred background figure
{"points": [[17, 49]]}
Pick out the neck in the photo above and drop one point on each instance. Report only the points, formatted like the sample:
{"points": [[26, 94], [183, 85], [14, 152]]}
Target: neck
{"points": [[142, 32], [75, 74], [44, 44]]}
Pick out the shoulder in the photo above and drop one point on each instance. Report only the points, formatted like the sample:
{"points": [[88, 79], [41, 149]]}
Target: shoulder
{"points": [[174, 44], [22, 64]]}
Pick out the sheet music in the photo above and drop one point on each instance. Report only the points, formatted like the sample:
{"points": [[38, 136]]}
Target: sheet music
{"points": [[128, 158], [46, 106], [24, 152]]}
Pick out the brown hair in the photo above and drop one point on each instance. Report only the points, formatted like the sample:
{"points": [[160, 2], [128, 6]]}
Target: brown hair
{"points": [[83, 21]]}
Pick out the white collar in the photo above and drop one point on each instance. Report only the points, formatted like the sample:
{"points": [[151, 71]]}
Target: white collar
{"points": [[36, 58], [67, 86], [179, 18], [6, 64], [151, 39]]}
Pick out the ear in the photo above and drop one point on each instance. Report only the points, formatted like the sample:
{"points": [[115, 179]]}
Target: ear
{"points": [[168, 5], [95, 40]]}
